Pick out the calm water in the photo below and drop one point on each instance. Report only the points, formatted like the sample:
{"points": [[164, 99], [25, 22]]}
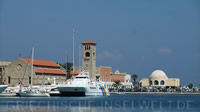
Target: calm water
{"points": [[113, 103]]}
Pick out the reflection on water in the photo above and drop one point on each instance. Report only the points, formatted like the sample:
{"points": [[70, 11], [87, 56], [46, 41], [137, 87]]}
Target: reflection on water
{"points": [[113, 103]]}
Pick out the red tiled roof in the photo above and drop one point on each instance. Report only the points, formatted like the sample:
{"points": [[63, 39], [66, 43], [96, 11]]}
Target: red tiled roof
{"points": [[74, 73], [41, 62], [89, 42], [49, 71]]}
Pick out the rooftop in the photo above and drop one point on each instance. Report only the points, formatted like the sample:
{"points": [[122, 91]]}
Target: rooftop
{"points": [[158, 74], [74, 72], [49, 71], [37, 62], [5, 63], [89, 42]]}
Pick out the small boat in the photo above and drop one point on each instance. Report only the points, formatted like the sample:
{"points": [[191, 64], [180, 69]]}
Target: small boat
{"points": [[82, 85], [2, 88], [31, 92], [54, 92]]}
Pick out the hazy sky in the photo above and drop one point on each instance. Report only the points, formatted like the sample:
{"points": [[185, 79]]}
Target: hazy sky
{"points": [[134, 36]]}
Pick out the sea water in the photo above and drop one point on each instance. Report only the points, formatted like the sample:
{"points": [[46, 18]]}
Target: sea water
{"points": [[113, 103]]}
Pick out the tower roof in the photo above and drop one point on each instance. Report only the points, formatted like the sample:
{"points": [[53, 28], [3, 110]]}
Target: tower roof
{"points": [[89, 42]]}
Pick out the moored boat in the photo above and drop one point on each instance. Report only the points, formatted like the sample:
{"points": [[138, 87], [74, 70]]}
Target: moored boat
{"points": [[32, 94], [82, 85]]}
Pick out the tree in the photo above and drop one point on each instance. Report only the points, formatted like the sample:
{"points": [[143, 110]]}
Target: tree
{"points": [[190, 85], [117, 84], [68, 68], [134, 77]]}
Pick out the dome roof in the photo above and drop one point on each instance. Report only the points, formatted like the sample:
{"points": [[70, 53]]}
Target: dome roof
{"points": [[158, 74]]}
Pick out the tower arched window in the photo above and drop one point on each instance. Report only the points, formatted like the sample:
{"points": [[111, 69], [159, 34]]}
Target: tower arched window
{"points": [[155, 82], [87, 54], [162, 82]]}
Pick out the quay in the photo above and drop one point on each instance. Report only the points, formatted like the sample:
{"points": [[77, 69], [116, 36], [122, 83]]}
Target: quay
{"points": [[181, 93]]}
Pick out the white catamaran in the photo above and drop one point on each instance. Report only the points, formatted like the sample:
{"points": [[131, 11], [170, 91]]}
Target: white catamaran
{"points": [[31, 92], [82, 85]]}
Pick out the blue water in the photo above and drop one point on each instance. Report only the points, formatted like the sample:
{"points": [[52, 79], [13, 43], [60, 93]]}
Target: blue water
{"points": [[113, 103]]}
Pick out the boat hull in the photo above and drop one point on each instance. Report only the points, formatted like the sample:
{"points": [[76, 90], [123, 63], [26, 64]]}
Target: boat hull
{"points": [[80, 91], [25, 94], [2, 88]]}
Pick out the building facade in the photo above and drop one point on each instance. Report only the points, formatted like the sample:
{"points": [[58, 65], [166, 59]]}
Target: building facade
{"points": [[105, 73], [158, 78], [3, 65], [117, 76], [44, 72]]}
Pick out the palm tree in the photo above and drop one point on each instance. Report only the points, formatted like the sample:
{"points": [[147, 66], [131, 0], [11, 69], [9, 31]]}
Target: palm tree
{"points": [[190, 85], [117, 84], [134, 77]]}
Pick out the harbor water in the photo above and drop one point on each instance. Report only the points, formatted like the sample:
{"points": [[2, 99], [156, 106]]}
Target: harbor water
{"points": [[113, 103]]}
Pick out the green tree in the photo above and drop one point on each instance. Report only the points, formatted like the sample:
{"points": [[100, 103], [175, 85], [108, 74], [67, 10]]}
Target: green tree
{"points": [[117, 84], [68, 68], [190, 85], [134, 77]]}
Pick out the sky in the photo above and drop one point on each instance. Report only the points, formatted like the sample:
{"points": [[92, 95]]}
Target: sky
{"points": [[134, 36]]}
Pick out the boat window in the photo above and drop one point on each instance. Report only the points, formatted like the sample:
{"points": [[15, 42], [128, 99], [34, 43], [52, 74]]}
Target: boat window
{"points": [[81, 77]]}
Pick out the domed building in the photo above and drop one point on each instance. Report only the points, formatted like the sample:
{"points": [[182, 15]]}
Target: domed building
{"points": [[158, 78]]}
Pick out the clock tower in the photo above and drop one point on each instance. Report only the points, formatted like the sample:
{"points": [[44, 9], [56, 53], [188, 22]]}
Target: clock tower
{"points": [[89, 58]]}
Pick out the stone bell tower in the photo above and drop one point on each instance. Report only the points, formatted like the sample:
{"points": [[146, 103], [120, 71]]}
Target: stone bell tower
{"points": [[89, 58]]}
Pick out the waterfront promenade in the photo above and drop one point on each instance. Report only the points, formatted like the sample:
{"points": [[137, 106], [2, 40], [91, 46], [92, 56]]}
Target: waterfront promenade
{"points": [[154, 92]]}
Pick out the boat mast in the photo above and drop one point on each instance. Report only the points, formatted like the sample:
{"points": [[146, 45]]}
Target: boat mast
{"points": [[21, 83], [32, 68], [79, 57], [73, 47]]}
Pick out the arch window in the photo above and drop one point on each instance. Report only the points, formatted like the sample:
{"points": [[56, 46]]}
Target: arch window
{"points": [[29, 80], [9, 79], [162, 82], [87, 54], [155, 82]]}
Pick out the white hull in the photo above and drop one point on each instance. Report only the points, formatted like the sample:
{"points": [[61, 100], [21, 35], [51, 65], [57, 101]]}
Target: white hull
{"points": [[2, 88], [31, 94], [81, 91]]}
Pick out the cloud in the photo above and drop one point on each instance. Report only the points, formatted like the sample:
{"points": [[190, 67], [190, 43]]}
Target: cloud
{"points": [[105, 55], [165, 51]]}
